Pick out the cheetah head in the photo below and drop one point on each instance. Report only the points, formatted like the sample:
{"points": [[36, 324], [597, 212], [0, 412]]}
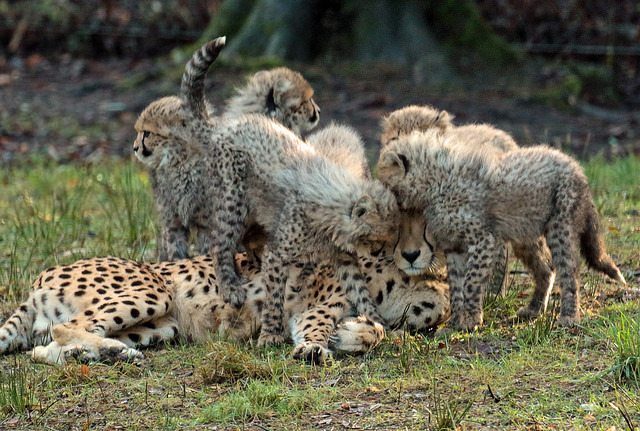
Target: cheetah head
{"points": [[161, 126], [414, 252], [374, 219], [411, 164], [290, 99], [410, 119]]}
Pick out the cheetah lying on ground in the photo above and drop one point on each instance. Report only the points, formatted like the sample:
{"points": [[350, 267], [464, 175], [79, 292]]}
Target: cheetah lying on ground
{"points": [[107, 308], [471, 205]]}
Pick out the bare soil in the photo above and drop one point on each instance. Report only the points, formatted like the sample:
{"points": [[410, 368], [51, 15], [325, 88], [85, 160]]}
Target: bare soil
{"points": [[84, 110]]}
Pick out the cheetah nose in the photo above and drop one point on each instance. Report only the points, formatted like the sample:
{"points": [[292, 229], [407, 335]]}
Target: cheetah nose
{"points": [[135, 149], [411, 256]]}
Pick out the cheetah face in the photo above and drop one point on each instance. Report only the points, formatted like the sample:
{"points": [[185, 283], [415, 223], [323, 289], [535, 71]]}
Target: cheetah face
{"points": [[141, 147], [293, 106], [414, 252], [375, 218], [159, 125], [303, 117]]}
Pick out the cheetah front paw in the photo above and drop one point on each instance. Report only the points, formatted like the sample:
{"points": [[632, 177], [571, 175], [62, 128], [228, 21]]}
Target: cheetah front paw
{"points": [[270, 340], [526, 313], [568, 321], [234, 296], [465, 321], [310, 352]]}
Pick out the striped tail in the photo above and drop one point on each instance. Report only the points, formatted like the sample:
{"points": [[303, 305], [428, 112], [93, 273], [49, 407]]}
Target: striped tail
{"points": [[14, 334], [192, 88], [593, 249]]}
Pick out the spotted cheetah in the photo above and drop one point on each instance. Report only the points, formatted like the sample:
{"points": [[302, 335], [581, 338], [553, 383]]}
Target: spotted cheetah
{"points": [[280, 94], [259, 172], [108, 308], [471, 137], [471, 205]]}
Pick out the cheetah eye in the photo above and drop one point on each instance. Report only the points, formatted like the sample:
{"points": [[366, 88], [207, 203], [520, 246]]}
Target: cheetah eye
{"points": [[145, 135]]}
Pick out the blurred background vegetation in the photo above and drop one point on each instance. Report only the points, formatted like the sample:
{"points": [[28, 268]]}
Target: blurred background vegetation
{"points": [[428, 33], [74, 74]]}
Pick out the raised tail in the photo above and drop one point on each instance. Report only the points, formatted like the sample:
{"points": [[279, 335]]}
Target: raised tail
{"points": [[192, 87], [15, 333], [593, 250]]}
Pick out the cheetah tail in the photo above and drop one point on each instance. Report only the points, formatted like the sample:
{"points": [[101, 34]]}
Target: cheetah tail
{"points": [[192, 87], [14, 334], [593, 249]]}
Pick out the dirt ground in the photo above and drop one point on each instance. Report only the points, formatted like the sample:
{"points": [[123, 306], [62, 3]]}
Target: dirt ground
{"points": [[85, 109]]}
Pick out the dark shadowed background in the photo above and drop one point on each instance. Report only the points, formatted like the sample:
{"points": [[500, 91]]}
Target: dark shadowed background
{"points": [[74, 74]]}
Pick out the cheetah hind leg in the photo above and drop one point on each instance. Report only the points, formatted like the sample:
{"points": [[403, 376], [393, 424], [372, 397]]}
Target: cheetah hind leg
{"points": [[73, 343], [149, 333]]}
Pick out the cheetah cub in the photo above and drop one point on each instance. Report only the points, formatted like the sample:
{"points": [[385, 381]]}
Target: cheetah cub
{"points": [[413, 118], [281, 94], [480, 138], [256, 171], [343, 145], [472, 205]]}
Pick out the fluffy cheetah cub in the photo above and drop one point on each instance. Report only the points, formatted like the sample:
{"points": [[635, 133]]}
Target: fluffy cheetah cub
{"points": [[342, 145], [479, 138], [256, 170], [413, 118], [281, 94], [471, 205]]}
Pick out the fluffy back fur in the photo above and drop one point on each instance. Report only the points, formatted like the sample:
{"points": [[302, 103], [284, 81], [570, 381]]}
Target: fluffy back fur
{"points": [[342, 145], [413, 118], [281, 94]]}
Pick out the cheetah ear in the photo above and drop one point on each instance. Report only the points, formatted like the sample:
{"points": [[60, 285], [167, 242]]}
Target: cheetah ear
{"points": [[364, 205], [444, 117], [283, 94], [394, 163]]}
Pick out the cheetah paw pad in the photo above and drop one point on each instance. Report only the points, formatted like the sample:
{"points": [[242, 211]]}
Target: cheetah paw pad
{"points": [[311, 352]]}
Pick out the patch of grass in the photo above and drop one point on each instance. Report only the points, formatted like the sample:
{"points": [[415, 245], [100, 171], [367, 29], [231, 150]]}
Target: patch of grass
{"points": [[615, 184], [227, 362], [259, 399], [623, 332], [448, 414], [17, 390], [540, 330], [540, 376]]}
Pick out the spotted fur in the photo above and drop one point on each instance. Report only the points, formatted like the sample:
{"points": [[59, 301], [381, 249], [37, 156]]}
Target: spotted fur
{"points": [[471, 205], [108, 308], [280, 94]]}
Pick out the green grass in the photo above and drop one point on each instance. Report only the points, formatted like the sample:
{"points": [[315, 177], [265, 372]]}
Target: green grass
{"points": [[623, 333], [508, 375]]}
